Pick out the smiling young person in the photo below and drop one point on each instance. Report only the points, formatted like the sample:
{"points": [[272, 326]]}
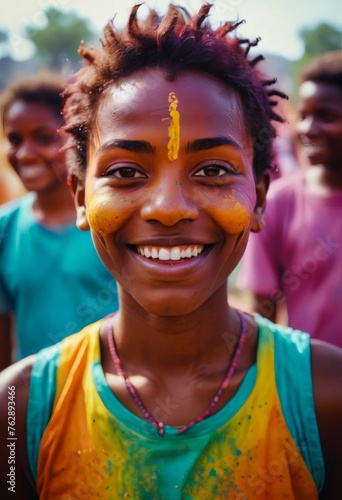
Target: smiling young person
{"points": [[305, 271], [177, 395], [46, 289]]}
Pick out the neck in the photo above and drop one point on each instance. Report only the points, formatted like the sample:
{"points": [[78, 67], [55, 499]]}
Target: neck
{"points": [[164, 344], [158, 424], [55, 206], [192, 363]]}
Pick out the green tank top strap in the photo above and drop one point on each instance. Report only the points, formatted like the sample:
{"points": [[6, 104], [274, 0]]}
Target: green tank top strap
{"points": [[41, 399], [292, 355]]}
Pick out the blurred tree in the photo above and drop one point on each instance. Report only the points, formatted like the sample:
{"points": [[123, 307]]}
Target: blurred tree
{"points": [[3, 36], [317, 40], [322, 38], [58, 41]]}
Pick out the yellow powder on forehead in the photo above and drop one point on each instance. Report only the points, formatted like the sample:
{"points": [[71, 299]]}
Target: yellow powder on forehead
{"points": [[174, 128]]}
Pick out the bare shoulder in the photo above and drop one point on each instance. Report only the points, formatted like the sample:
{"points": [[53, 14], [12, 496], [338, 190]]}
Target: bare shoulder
{"points": [[327, 376], [327, 383], [14, 391], [18, 373]]}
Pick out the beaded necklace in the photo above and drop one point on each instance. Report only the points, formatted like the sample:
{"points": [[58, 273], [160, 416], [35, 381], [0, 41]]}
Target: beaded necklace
{"points": [[133, 393]]}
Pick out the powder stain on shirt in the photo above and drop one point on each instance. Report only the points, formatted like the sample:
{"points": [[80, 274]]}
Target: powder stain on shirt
{"points": [[174, 127]]}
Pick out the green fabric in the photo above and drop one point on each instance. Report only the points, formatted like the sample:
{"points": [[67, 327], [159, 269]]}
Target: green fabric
{"points": [[294, 384], [41, 398]]}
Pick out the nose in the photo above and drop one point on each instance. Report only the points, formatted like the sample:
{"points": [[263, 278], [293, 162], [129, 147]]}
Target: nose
{"points": [[169, 202], [26, 151], [308, 126]]}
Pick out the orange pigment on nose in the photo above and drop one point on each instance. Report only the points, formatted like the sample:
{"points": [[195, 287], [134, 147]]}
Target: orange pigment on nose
{"points": [[233, 219], [174, 128], [102, 213]]}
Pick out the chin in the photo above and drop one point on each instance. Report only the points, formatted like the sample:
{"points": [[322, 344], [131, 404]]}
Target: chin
{"points": [[171, 306]]}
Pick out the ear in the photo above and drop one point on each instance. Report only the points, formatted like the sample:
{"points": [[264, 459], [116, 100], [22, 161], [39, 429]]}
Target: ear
{"points": [[78, 190], [261, 189]]}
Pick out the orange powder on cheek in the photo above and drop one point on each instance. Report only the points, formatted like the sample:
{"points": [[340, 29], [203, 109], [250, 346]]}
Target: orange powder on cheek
{"points": [[234, 218], [174, 128], [103, 213]]}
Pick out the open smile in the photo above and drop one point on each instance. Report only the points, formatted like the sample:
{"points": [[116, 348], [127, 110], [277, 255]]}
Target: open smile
{"points": [[170, 253], [313, 144], [32, 172]]}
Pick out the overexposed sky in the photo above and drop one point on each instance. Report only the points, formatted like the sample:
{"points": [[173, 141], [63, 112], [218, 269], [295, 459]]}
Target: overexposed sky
{"points": [[277, 22]]}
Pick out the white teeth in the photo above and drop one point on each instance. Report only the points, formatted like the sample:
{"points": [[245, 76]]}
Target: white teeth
{"points": [[31, 172], [164, 254], [173, 253], [313, 144], [188, 253]]}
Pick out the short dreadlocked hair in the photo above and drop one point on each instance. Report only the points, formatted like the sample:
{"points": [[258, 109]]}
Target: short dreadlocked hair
{"points": [[325, 69], [41, 88], [174, 43]]}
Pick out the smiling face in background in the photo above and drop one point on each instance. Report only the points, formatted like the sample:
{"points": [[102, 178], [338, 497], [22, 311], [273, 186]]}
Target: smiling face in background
{"points": [[34, 145], [320, 125], [170, 230]]}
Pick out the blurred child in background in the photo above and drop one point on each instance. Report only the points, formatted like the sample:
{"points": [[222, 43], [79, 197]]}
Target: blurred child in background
{"points": [[51, 279]]}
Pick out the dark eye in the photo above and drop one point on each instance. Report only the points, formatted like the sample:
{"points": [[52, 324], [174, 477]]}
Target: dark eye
{"points": [[327, 116], [125, 173], [46, 139], [212, 170], [14, 139]]}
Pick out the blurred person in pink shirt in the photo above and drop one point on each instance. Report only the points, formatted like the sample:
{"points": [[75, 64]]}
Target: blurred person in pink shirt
{"points": [[296, 260]]}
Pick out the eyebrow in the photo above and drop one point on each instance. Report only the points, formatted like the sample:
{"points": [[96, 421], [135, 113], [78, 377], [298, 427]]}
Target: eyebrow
{"points": [[211, 142], [146, 147], [128, 145]]}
